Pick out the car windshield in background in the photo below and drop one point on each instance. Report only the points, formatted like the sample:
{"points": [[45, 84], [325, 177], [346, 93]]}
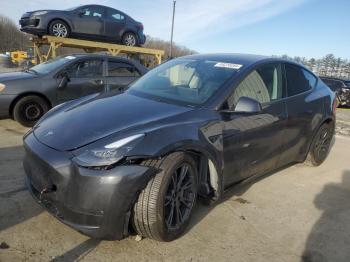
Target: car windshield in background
{"points": [[49, 66], [185, 80], [73, 8]]}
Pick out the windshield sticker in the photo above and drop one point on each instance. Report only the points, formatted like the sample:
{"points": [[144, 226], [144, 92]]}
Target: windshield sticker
{"points": [[70, 57], [228, 65]]}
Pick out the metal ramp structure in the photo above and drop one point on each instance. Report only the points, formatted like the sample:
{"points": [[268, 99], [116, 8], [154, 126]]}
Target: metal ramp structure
{"points": [[52, 43]]}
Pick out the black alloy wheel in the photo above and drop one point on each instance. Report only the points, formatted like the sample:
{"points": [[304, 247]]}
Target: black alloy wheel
{"points": [[180, 197], [321, 145]]}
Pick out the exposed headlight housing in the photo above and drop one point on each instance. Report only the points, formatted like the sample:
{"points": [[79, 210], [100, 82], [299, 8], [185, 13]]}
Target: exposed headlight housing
{"points": [[40, 13], [108, 154], [2, 87]]}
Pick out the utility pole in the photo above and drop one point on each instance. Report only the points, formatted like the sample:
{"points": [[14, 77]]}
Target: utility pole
{"points": [[172, 31]]}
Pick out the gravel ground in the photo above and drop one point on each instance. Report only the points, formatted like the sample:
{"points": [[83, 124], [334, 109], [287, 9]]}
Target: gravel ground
{"points": [[343, 121], [297, 214]]}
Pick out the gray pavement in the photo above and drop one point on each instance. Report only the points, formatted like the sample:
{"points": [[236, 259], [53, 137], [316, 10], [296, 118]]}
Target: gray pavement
{"points": [[300, 213]]}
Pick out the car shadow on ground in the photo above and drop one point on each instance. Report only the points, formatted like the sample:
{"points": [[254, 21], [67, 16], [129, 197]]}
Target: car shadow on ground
{"points": [[16, 204], [79, 251], [329, 239]]}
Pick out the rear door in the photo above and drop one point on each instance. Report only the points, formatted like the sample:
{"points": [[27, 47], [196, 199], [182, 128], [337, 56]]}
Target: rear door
{"points": [[305, 111], [120, 75], [85, 78], [114, 24], [253, 141], [91, 22]]}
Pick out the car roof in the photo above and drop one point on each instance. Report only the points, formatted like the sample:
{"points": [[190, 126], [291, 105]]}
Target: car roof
{"points": [[81, 55], [119, 58], [243, 59]]}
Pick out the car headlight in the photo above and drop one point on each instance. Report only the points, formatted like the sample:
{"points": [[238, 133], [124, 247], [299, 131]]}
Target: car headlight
{"points": [[40, 13], [2, 87], [345, 90], [108, 154]]}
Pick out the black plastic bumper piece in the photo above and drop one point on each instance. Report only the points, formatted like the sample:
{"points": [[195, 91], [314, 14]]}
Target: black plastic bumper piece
{"points": [[97, 203]]}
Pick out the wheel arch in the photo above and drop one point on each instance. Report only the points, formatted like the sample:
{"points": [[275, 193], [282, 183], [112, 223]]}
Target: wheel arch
{"points": [[326, 120], [20, 96], [59, 19]]}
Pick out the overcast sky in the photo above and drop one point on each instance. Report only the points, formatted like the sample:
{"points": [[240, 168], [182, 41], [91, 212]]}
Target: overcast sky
{"points": [[310, 28]]}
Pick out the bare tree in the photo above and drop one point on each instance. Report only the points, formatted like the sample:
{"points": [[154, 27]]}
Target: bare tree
{"points": [[11, 38]]}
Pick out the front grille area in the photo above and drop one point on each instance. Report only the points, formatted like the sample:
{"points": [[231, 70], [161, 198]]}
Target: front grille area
{"points": [[28, 22]]}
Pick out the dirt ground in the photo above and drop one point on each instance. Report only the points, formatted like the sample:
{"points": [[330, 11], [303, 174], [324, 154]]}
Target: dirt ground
{"points": [[300, 213]]}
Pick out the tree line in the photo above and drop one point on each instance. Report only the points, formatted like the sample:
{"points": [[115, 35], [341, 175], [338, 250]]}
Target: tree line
{"points": [[11, 39], [329, 65]]}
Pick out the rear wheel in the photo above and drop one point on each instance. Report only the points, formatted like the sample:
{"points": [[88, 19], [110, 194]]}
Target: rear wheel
{"points": [[320, 145], [129, 39], [59, 28], [163, 209], [28, 110]]}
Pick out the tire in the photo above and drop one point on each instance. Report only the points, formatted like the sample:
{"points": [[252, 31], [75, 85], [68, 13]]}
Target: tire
{"points": [[129, 39], [320, 145], [59, 28], [29, 109], [154, 211]]}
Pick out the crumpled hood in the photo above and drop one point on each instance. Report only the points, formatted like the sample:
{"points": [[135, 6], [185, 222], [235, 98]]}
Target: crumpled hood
{"points": [[16, 76], [85, 121]]}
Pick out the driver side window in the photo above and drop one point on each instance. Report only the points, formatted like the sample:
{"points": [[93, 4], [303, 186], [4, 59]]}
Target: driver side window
{"points": [[93, 11], [84, 69], [264, 84]]}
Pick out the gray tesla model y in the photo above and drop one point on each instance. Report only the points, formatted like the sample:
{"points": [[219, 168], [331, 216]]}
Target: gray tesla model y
{"points": [[111, 163]]}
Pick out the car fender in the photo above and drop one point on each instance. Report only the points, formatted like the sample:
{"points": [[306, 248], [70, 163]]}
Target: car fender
{"points": [[185, 138]]}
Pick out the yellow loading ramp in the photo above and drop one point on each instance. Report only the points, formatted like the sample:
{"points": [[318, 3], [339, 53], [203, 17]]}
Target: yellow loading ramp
{"points": [[88, 46]]}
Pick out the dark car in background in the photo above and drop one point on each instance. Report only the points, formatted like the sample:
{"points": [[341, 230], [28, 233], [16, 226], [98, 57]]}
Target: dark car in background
{"points": [[95, 22], [27, 95], [111, 164], [341, 89]]}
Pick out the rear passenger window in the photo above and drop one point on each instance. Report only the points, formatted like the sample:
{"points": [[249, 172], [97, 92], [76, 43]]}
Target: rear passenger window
{"points": [[298, 80], [111, 13], [116, 69]]}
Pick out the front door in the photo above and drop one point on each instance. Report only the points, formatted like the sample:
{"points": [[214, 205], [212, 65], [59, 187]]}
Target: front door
{"points": [[252, 142], [85, 78]]}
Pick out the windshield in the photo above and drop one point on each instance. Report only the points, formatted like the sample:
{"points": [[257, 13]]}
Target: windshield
{"points": [[184, 80], [73, 8], [49, 66]]}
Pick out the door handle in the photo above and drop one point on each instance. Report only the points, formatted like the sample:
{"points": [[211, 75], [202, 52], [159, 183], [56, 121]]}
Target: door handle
{"points": [[99, 82]]}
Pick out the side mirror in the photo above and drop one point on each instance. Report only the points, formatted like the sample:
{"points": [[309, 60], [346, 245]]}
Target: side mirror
{"points": [[64, 81], [248, 105]]}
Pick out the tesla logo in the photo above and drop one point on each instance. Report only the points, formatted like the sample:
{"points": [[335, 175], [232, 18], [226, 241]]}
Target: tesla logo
{"points": [[50, 133]]}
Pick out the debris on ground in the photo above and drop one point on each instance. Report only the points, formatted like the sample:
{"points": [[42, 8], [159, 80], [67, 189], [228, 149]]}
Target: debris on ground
{"points": [[4, 245], [138, 238], [241, 200]]}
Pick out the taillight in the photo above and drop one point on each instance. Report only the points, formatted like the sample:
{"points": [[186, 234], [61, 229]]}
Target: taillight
{"points": [[140, 26], [335, 105]]}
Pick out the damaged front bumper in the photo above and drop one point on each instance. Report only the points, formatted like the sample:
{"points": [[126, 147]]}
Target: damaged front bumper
{"points": [[343, 97], [97, 203]]}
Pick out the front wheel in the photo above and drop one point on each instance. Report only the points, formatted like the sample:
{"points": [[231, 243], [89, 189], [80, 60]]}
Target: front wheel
{"points": [[59, 28], [28, 110], [163, 209], [320, 145]]}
